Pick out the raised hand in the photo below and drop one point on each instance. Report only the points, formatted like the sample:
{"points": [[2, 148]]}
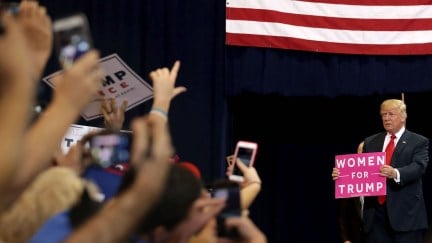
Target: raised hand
{"points": [[79, 84], [164, 89], [335, 173], [37, 27], [114, 115]]}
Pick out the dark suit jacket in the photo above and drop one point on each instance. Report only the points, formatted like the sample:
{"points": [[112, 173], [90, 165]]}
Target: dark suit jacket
{"points": [[405, 202]]}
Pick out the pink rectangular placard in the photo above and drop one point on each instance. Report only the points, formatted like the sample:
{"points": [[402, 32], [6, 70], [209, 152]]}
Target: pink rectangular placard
{"points": [[359, 175]]}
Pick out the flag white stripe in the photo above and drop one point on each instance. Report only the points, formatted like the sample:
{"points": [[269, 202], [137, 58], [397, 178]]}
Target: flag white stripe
{"points": [[328, 35], [337, 10]]}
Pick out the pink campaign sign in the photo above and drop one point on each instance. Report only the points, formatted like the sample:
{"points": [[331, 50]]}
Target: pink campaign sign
{"points": [[359, 175]]}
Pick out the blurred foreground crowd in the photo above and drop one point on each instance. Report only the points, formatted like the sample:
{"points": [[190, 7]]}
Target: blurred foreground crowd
{"points": [[47, 195]]}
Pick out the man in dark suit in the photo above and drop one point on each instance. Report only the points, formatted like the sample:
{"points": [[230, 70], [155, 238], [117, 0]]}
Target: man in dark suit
{"points": [[402, 217]]}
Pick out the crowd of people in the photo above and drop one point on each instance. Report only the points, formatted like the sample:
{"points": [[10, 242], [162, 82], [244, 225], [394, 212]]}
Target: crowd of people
{"points": [[48, 196]]}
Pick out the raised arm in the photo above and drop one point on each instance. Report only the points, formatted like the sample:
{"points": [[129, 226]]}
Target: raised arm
{"points": [[129, 207], [75, 88], [164, 90], [251, 186], [113, 114], [37, 26], [151, 150], [16, 96]]}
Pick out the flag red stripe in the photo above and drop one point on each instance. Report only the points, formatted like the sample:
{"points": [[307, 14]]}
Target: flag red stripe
{"points": [[382, 27], [329, 22], [329, 47]]}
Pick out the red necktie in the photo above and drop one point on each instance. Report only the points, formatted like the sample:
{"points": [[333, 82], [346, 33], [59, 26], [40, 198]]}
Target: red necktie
{"points": [[389, 153]]}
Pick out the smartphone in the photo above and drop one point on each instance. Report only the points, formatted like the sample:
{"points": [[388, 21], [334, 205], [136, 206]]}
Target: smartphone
{"points": [[108, 149], [246, 152], [230, 191], [72, 38]]}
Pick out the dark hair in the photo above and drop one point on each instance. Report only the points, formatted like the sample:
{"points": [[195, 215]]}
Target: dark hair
{"points": [[84, 209], [182, 188]]}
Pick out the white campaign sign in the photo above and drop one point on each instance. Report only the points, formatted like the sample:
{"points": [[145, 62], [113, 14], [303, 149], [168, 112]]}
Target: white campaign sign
{"points": [[74, 134], [120, 82]]}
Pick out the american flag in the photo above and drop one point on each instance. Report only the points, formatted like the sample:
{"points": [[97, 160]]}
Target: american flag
{"points": [[372, 27]]}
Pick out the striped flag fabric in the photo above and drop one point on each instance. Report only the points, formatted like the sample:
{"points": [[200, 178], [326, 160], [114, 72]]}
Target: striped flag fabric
{"points": [[370, 27]]}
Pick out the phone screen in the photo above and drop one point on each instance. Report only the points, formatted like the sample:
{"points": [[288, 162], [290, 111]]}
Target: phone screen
{"points": [[110, 149], [230, 191], [245, 155], [72, 38], [232, 197]]}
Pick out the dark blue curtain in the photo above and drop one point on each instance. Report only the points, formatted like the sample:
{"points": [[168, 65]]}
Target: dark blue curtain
{"points": [[152, 34], [295, 73], [302, 108]]}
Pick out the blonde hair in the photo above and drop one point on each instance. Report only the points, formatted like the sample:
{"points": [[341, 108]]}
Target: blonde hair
{"points": [[395, 104], [53, 191]]}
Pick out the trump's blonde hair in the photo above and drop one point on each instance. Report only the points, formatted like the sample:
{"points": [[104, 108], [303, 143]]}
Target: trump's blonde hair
{"points": [[395, 104]]}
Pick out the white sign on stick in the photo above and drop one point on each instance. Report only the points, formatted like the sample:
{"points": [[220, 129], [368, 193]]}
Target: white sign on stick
{"points": [[74, 134], [120, 82]]}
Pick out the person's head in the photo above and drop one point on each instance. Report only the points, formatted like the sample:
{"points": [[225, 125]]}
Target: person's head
{"points": [[393, 115], [182, 189], [90, 202], [192, 168]]}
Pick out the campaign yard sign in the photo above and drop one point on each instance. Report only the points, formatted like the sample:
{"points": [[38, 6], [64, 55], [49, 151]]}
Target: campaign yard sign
{"points": [[359, 175], [76, 132], [120, 82]]}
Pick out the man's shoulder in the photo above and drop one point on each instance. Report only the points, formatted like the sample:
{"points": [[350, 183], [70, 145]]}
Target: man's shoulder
{"points": [[415, 137]]}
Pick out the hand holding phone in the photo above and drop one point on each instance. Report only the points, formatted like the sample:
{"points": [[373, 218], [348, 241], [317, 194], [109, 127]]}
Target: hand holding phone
{"points": [[245, 151], [230, 191], [71, 38]]}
